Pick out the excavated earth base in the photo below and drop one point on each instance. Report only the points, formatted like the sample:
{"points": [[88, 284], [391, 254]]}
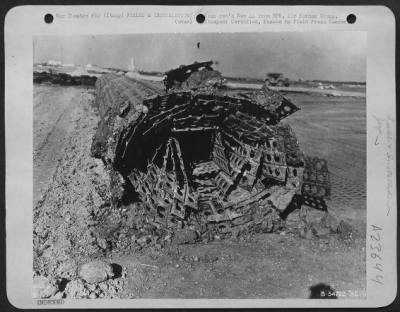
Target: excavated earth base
{"points": [[74, 224]]}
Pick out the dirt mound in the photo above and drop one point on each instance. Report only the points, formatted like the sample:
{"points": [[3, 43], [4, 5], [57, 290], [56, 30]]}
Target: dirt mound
{"points": [[75, 197]]}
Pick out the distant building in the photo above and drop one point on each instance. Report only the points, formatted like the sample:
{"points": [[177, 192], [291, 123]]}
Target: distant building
{"points": [[131, 66], [97, 70], [53, 63]]}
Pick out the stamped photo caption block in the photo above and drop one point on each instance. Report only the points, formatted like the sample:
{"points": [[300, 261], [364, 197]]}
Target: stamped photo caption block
{"points": [[200, 156]]}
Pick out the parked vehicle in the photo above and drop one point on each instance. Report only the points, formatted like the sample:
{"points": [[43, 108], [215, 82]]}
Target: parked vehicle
{"points": [[276, 79]]}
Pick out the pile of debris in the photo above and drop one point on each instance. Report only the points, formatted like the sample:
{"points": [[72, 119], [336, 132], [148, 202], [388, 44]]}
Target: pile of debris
{"points": [[203, 164], [193, 76], [95, 279], [64, 79]]}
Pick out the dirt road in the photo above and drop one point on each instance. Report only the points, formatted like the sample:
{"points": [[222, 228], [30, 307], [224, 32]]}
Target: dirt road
{"points": [[56, 113], [70, 197]]}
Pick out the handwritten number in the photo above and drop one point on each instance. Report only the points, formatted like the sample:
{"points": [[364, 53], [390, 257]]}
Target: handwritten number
{"points": [[377, 279], [375, 256], [376, 228], [377, 247], [376, 238]]}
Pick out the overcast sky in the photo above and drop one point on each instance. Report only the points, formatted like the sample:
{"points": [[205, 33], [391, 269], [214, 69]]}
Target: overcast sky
{"points": [[311, 55]]}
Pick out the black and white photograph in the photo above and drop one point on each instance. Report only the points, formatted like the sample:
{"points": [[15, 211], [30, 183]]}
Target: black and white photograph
{"points": [[200, 166]]}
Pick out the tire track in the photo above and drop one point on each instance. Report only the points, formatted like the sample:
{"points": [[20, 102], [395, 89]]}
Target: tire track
{"points": [[51, 133], [48, 151]]}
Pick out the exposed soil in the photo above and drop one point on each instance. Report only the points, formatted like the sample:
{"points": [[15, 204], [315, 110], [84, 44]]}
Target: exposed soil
{"points": [[71, 198]]}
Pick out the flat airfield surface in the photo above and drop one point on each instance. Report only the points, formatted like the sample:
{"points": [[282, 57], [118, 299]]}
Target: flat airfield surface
{"points": [[335, 128]]}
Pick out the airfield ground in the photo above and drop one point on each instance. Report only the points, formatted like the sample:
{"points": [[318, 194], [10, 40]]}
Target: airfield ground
{"points": [[67, 199]]}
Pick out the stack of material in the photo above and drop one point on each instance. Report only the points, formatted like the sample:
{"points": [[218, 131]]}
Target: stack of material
{"points": [[246, 171]]}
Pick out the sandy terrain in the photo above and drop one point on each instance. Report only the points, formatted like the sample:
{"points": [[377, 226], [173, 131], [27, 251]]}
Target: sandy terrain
{"points": [[70, 199], [297, 89], [55, 116], [334, 128]]}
